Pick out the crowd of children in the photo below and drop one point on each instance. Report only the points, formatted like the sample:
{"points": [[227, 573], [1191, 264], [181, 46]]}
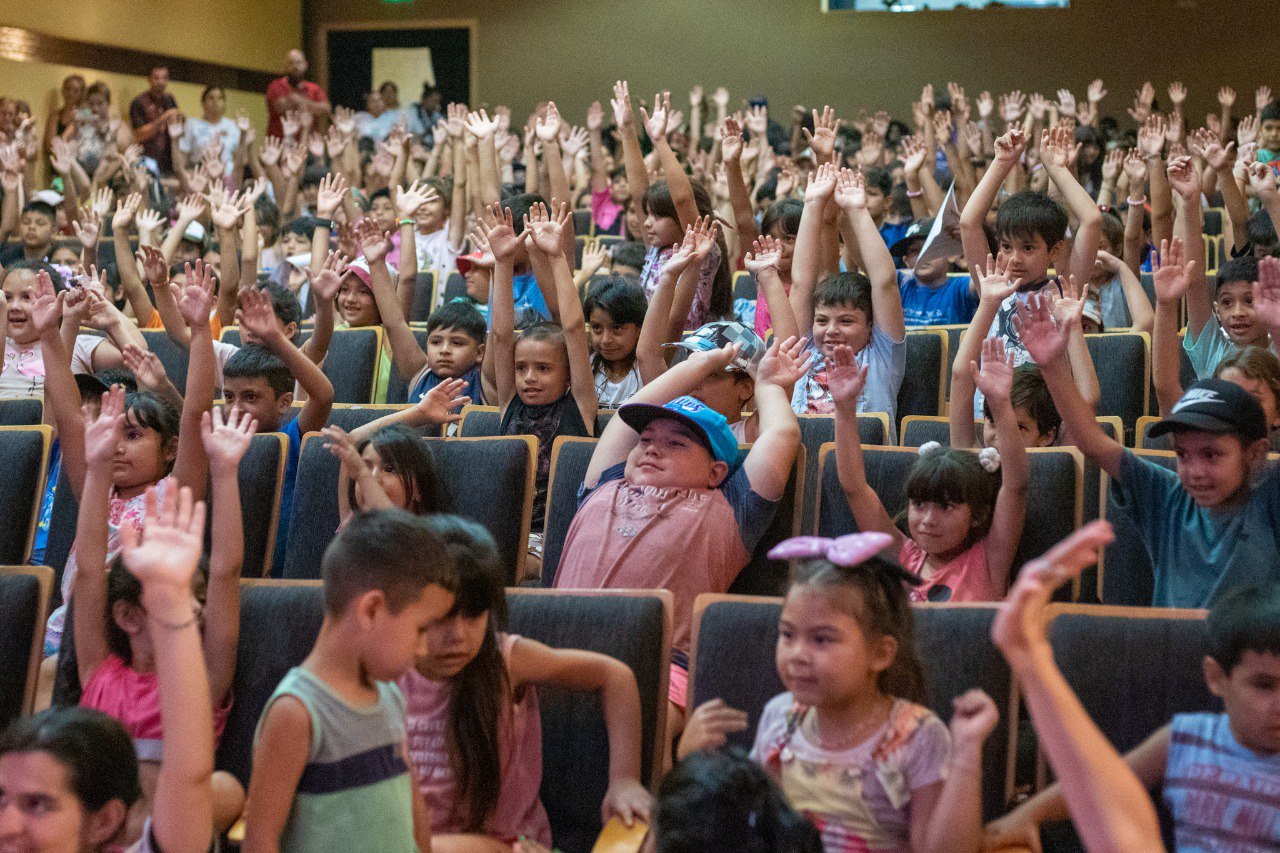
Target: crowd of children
{"points": [[414, 722]]}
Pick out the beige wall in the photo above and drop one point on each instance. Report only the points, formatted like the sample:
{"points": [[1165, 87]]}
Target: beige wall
{"points": [[243, 33], [573, 50]]}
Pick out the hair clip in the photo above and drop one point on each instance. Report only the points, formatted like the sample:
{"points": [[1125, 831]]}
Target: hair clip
{"points": [[989, 459], [930, 448], [845, 551]]}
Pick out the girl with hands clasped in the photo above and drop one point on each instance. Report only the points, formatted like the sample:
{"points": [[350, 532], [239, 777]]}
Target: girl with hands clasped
{"points": [[474, 733], [848, 742], [115, 654], [965, 510]]}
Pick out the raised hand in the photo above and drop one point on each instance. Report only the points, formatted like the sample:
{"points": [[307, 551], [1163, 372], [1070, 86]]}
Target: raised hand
{"points": [[480, 125], [1170, 271], [1266, 292], [986, 106], [845, 379], [440, 405], [1142, 101], [499, 233], [1262, 97], [1177, 95], [46, 307], [994, 377], [548, 127], [1010, 146], [994, 284], [1262, 180], [1043, 336], [1069, 307], [153, 265], [194, 300], [272, 149], [784, 363], [1151, 136], [823, 138], [576, 141], [821, 184], [126, 212], [329, 198], [226, 439], [757, 120], [257, 317], [409, 199], [145, 366], [715, 360], [1058, 148], [973, 719], [1226, 97], [344, 119], [594, 256], [1066, 102], [657, 124], [595, 117], [731, 140], [328, 281], [1183, 177], [88, 229], [167, 551], [374, 242], [871, 153], [913, 154], [1038, 106], [851, 191], [1011, 106], [682, 254], [102, 434], [621, 103], [1021, 626], [768, 251], [1112, 164], [544, 229]]}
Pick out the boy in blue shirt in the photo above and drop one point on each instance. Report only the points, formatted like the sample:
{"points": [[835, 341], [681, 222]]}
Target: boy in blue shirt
{"points": [[1220, 772], [1206, 527], [930, 295]]}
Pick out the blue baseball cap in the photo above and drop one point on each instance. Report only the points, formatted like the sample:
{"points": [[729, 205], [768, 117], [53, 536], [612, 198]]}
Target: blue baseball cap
{"points": [[706, 423]]}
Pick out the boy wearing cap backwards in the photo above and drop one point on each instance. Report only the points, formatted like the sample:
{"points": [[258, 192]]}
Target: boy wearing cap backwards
{"points": [[1220, 772], [665, 505], [1207, 528]]}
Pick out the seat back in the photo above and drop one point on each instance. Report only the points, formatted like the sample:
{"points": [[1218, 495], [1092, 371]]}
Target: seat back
{"points": [[923, 390], [570, 457], [261, 483], [631, 626], [733, 659], [918, 430], [172, 357], [25, 592], [62, 531], [817, 430], [1124, 359], [279, 623], [1054, 507], [425, 296], [489, 480], [397, 386], [352, 364], [454, 286], [583, 223], [25, 451], [480, 421], [744, 286], [1142, 441], [1125, 574], [21, 411]]}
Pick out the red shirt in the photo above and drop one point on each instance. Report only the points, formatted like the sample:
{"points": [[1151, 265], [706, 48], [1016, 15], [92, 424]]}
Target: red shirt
{"points": [[281, 87]]}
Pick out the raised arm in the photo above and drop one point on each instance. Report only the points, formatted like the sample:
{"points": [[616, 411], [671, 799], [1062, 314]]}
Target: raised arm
{"points": [[995, 378], [500, 354], [763, 264], [1108, 804], [1056, 152], [1140, 313], [768, 464], [994, 287], [677, 180], [130, 281], [61, 394], [805, 259], [1135, 169], [1185, 182], [632, 156], [257, 316], [484, 129], [886, 299], [655, 333], [1009, 150], [1151, 145], [191, 466], [1171, 277], [744, 217], [226, 440]]}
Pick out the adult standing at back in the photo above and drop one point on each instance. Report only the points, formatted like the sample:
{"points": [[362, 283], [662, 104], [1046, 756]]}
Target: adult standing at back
{"points": [[294, 92], [150, 114]]}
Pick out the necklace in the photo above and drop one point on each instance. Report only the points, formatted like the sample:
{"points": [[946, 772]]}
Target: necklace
{"points": [[860, 732]]}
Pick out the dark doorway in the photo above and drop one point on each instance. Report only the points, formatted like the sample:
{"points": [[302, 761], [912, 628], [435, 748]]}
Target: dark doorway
{"points": [[351, 62]]}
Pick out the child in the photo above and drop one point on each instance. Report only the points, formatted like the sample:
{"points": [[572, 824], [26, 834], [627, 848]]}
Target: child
{"points": [[848, 742], [1257, 371], [1219, 329], [260, 378], [387, 578], [68, 776], [385, 463], [113, 650], [860, 311], [615, 310], [542, 378], [474, 732], [1038, 420], [1031, 233], [157, 441], [1104, 797], [1213, 766], [930, 296], [455, 332], [965, 511], [721, 800], [37, 229], [23, 374], [781, 222], [1114, 286], [1206, 528], [730, 390], [665, 503]]}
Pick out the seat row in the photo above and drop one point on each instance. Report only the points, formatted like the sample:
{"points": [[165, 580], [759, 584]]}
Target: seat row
{"points": [[1152, 672]]}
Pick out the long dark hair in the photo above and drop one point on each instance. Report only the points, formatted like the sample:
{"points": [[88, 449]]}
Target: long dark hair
{"points": [[123, 585], [657, 200], [410, 460], [480, 694], [875, 595]]}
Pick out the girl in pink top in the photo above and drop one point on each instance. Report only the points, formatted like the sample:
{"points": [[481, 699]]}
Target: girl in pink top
{"points": [[473, 708], [115, 655], [965, 510]]}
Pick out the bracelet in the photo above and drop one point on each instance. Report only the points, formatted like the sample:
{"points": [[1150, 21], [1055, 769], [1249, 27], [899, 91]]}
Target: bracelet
{"points": [[195, 617], [1137, 202], [915, 194], [320, 222], [407, 221]]}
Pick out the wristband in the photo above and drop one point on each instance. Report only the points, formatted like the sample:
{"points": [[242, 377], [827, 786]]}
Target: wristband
{"points": [[1137, 202], [321, 222], [407, 221], [915, 194], [195, 617]]}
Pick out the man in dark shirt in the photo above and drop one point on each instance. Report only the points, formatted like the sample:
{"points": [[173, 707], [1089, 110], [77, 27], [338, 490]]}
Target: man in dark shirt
{"points": [[150, 115]]}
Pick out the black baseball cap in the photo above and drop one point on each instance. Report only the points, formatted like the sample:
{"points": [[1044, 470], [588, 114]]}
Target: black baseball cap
{"points": [[1218, 406]]}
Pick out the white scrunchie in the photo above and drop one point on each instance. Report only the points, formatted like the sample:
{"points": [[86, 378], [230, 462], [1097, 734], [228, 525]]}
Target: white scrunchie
{"points": [[989, 459], [929, 448]]}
